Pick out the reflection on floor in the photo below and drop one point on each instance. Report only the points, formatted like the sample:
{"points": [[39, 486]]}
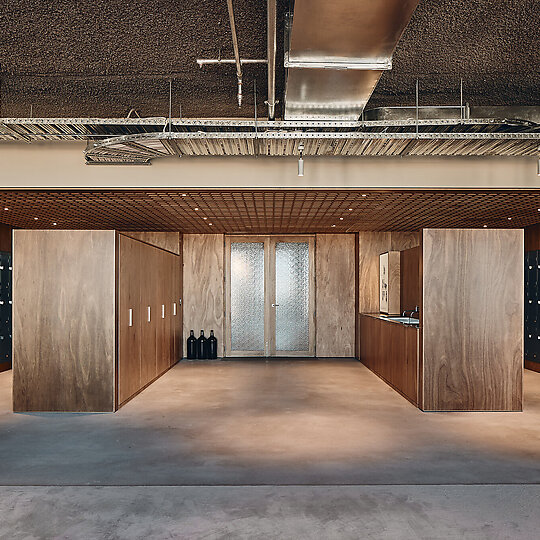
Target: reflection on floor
{"points": [[276, 423]]}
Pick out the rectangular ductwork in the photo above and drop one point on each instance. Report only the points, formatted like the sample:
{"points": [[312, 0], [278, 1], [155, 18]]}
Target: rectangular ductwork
{"points": [[336, 52]]}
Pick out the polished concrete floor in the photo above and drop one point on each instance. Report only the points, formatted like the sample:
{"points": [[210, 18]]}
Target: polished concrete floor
{"points": [[286, 427]]}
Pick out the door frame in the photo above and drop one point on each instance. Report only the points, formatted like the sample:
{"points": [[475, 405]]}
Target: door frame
{"points": [[269, 242]]}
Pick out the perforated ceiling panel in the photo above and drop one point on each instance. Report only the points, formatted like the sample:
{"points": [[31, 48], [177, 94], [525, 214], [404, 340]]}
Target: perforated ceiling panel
{"points": [[268, 211]]}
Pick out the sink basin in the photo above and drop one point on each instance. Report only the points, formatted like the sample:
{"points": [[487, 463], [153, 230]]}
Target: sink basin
{"points": [[406, 320]]}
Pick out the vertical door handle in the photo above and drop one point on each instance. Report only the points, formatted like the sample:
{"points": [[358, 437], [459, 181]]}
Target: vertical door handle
{"points": [[130, 317], [162, 311], [174, 309], [148, 313]]}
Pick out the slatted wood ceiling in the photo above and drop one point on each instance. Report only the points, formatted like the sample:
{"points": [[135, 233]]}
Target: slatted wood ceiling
{"points": [[268, 211]]}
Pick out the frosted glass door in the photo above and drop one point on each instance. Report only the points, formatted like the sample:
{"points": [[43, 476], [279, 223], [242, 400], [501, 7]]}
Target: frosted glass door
{"points": [[247, 296], [292, 297]]}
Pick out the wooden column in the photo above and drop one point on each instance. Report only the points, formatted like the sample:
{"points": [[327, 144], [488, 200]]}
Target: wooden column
{"points": [[64, 338], [472, 319]]}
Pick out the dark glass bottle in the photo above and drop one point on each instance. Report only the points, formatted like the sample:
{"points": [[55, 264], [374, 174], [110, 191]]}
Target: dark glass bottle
{"points": [[202, 347], [191, 346], [212, 346]]}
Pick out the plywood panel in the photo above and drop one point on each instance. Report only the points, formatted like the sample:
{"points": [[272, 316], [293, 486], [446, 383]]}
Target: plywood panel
{"points": [[370, 246], [404, 240], [532, 238], [129, 337], [203, 285], [472, 319], [64, 321], [168, 241], [335, 288], [410, 278]]}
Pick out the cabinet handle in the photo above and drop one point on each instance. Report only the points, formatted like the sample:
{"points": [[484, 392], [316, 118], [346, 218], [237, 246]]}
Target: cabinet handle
{"points": [[162, 311], [174, 309], [130, 317], [148, 313]]}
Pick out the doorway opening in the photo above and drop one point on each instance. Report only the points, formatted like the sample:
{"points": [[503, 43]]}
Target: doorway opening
{"points": [[269, 296]]}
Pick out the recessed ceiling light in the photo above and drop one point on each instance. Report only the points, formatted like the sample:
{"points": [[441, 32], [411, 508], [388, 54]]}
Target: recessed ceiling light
{"points": [[485, 226], [350, 210], [35, 218], [333, 225], [184, 194], [196, 208], [6, 208], [509, 219], [209, 223], [340, 219], [205, 218], [364, 195], [54, 223]]}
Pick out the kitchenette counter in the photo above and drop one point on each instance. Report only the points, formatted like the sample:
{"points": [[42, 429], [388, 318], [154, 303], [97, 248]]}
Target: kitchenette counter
{"points": [[389, 346], [407, 321]]}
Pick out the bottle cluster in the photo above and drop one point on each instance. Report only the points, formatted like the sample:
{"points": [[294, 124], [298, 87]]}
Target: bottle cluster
{"points": [[201, 348]]}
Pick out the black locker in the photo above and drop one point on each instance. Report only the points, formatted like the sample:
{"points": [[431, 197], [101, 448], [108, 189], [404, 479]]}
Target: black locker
{"points": [[532, 306], [6, 272]]}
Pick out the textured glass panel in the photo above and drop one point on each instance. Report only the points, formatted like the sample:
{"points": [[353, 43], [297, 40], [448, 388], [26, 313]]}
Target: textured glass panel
{"points": [[247, 296], [292, 296]]}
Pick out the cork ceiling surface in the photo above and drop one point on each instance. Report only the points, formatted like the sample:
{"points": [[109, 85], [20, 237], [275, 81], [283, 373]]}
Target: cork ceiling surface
{"points": [[102, 58], [268, 211]]}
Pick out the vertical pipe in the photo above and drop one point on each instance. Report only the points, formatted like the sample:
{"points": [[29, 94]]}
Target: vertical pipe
{"points": [[417, 106], [271, 56], [236, 51]]}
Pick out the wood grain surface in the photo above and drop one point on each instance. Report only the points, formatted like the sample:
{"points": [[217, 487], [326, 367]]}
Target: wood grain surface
{"points": [[335, 288], [532, 237], [400, 241], [390, 350], [472, 319], [410, 278], [5, 238], [64, 321], [129, 337], [203, 285], [168, 241]]}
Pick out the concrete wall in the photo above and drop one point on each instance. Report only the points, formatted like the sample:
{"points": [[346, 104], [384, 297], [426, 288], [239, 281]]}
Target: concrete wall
{"points": [[61, 165]]}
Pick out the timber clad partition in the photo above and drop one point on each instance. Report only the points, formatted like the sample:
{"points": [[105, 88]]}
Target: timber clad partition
{"points": [[203, 277], [64, 321], [335, 290], [84, 339], [472, 319]]}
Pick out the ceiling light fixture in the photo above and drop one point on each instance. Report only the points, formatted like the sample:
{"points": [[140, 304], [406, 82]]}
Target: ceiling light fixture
{"points": [[35, 219], [196, 208], [333, 225], [350, 209], [364, 195], [301, 160], [509, 219], [209, 223], [6, 208], [340, 219], [54, 222]]}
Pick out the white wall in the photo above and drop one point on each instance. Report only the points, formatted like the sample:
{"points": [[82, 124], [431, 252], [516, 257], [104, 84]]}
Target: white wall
{"points": [[61, 165]]}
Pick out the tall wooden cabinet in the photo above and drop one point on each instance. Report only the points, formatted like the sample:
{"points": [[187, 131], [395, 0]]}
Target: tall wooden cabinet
{"points": [[97, 317]]}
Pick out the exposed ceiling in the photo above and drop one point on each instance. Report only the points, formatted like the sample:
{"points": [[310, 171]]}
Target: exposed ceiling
{"points": [[102, 58], [268, 211]]}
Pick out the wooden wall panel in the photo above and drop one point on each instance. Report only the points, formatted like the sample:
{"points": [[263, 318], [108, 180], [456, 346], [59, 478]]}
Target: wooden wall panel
{"points": [[335, 288], [472, 319], [532, 238], [168, 241], [410, 278], [5, 238], [129, 337], [370, 246], [404, 240], [203, 285], [64, 321]]}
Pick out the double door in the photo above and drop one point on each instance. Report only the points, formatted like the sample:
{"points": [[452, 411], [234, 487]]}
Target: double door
{"points": [[269, 296]]}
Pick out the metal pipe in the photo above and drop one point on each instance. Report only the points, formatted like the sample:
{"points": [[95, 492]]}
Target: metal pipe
{"points": [[236, 51], [208, 61], [271, 55]]}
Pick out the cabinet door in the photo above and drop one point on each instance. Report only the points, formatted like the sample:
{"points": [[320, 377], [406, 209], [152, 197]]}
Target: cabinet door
{"points": [[129, 318], [149, 304], [163, 315]]}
